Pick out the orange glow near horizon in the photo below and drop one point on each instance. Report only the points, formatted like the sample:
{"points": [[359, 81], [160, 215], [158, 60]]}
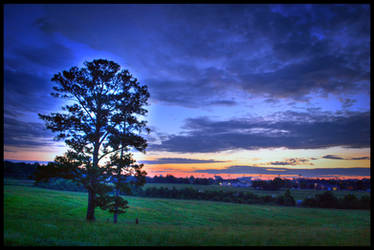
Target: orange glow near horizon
{"points": [[222, 160], [30, 154], [254, 176]]}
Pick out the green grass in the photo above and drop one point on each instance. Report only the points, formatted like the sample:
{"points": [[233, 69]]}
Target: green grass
{"points": [[17, 182], [41, 217]]}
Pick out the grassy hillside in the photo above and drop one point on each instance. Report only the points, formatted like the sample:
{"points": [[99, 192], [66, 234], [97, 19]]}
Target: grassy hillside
{"points": [[35, 216]]}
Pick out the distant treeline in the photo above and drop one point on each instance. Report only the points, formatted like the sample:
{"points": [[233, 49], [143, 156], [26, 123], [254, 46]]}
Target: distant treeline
{"points": [[25, 171], [302, 183], [275, 184], [180, 180], [218, 195], [324, 200], [19, 170]]}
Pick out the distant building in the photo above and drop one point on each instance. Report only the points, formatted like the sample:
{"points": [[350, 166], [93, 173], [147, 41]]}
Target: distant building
{"points": [[244, 182], [191, 180], [327, 187], [225, 183], [218, 178], [240, 184]]}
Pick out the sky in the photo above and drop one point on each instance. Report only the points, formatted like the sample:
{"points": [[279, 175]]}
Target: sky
{"points": [[235, 90]]}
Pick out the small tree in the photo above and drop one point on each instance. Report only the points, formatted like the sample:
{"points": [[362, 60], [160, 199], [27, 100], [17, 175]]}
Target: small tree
{"points": [[286, 199], [120, 170], [104, 117]]}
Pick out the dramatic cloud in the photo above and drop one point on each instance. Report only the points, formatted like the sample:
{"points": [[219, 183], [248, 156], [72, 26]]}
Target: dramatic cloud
{"points": [[315, 172], [292, 130], [27, 92], [346, 103], [178, 161], [26, 134], [292, 162], [333, 157], [200, 52], [361, 158], [54, 55]]}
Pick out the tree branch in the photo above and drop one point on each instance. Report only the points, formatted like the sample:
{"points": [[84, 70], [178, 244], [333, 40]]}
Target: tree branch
{"points": [[80, 102], [101, 141], [110, 153]]}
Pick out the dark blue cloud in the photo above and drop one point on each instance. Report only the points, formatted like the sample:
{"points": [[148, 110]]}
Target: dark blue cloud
{"points": [[53, 55], [333, 157], [191, 55], [292, 162], [316, 172], [360, 158], [28, 92], [295, 130], [26, 134]]}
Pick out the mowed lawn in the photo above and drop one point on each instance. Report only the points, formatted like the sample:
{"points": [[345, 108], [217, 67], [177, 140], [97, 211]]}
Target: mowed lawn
{"points": [[35, 216]]}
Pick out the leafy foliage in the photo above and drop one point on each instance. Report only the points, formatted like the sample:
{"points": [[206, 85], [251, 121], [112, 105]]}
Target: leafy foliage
{"points": [[328, 200]]}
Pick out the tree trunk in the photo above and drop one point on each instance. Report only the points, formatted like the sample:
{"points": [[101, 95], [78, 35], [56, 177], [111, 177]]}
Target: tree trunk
{"points": [[115, 215], [91, 193], [91, 206]]}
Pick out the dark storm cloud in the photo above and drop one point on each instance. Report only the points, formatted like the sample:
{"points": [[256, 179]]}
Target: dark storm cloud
{"points": [[191, 55], [224, 103], [332, 157], [178, 161], [292, 161], [29, 65], [326, 74], [292, 130], [53, 55], [27, 92], [360, 158], [287, 171], [347, 102], [199, 87], [26, 134]]}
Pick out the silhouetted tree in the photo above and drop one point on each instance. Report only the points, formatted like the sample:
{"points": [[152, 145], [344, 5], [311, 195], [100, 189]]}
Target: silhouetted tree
{"points": [[286, 199], [104, 117], [123, 174]]}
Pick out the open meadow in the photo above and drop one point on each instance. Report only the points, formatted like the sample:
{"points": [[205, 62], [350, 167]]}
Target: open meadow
{"points": [[42, 217]]}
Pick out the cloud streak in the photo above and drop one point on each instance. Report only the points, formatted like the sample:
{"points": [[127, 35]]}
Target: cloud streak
{"points": [[26, 134], [332, 157], [315, 172], [179, 161], [293, 130], [292, 162]]}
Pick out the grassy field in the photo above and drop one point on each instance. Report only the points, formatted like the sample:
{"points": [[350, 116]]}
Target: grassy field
{"points": [[42, 217]]}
